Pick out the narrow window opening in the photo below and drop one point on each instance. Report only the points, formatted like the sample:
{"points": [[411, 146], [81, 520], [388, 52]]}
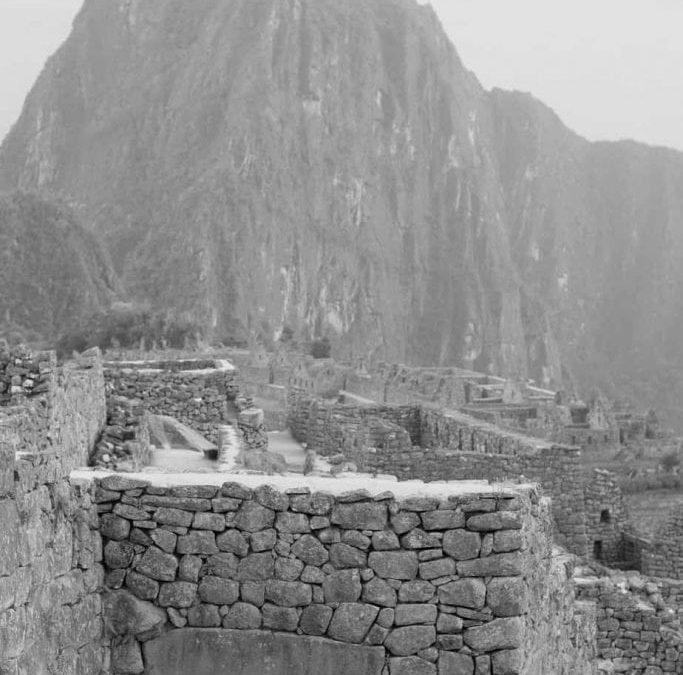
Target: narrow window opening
{"points": [[597, 550], [605, 516]]}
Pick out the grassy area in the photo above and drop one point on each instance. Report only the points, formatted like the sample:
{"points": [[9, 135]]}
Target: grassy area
{"points": [[649, 509]]}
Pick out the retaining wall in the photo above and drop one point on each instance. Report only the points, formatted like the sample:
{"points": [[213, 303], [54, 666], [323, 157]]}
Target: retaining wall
{"points": [[426, 582], [50, 548]]}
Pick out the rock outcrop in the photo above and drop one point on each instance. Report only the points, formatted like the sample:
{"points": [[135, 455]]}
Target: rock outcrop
{"points": [[332, 168]]}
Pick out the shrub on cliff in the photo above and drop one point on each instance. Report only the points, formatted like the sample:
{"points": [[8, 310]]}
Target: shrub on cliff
{"points": [[320, 349]]}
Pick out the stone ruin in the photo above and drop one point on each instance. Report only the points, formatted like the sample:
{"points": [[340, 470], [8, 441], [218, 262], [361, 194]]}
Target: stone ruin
{"points": [[131, 573]]}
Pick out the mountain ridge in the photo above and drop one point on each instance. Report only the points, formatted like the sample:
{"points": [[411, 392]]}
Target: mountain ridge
{"points": [[335, 169]]}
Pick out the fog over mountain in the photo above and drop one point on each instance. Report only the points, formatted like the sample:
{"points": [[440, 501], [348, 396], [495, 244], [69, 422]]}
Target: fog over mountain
{"points": [[335, 169]]}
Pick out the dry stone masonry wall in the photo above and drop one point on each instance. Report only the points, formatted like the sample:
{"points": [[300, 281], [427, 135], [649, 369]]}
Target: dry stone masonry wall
{"points": [[195, 392], [438, 584], [50, 548]]}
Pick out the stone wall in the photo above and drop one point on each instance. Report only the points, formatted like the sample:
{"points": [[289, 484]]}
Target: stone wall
{"points": [[124, 444], [50, 548], [448, 446], [607, 516], [195, 392], [436, 582], [663, 557], [632, 636]]}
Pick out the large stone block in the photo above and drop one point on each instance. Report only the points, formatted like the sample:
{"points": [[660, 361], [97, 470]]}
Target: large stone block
{"points": [[253, 517], [470, 593], [288, 593], [496, 634], [401, 565], [496, 565], [352, 621], [231, 652], [410, 640], [342, 586], [410, 665], [461, 544], [158, 565], [507, 596], [310, 550], [360, 516], [219, 591]]}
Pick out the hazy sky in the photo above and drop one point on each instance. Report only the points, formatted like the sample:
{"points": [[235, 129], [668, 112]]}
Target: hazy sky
{"points": [[610, 68]]}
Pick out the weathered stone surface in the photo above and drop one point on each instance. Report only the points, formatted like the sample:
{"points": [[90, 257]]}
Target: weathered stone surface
{"points": [[412, 614], [271, 498], [253, 517], [464, 593], [416, 591], [264, 540], [317, 504], [177, 594], [209, 521], [121, 483], [315, 619], [456, 664], [118, 554], [164, 539], [130, 512], [355, 538], [385, 618], [313, 575], [189, 567], [204, 616], [496, 565], [434, 569], [461, 544], [256, 567], [444, 519], [343, 556], [141, 586], [242, 615], [342, 586], [175, 517], [219, 591], [449, 624], [182, 503], [508, 662], [410, 665], [409, 640], [197, 543], [394, 564], [225, 652], [310, 550], [507, 596], [378, 592], [253, 592], [194, 491], [419, 504], [128, 615], [419, 539], [224, 504], [232, 541], [497, 634], [288, 569], [292, 523], [404, 521], [507, 540], [500, 520], [280, 618], [236, 491], [126, 657], [385, 541], [360, 516], [351, 622], [221, 565], [288, 593], [113, 527]]}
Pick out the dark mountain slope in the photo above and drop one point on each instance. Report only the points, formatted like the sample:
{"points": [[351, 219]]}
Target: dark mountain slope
{"points": [[53, 272]]}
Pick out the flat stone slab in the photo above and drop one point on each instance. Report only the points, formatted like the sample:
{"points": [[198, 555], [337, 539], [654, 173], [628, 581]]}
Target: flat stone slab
{"points": [[216, 651]]}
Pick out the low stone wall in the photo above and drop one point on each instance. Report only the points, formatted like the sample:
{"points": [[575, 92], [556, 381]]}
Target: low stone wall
{"points": [[194, 392], [50, 547], [435, 582], [632, 637]]}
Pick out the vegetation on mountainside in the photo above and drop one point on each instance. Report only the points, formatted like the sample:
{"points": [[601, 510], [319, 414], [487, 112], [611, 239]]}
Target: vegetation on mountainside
{"points": [[130, 325]]}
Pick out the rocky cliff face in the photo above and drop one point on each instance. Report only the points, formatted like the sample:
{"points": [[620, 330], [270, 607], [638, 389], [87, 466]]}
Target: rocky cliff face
{"points": [[53, 273], [333, 167]]}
